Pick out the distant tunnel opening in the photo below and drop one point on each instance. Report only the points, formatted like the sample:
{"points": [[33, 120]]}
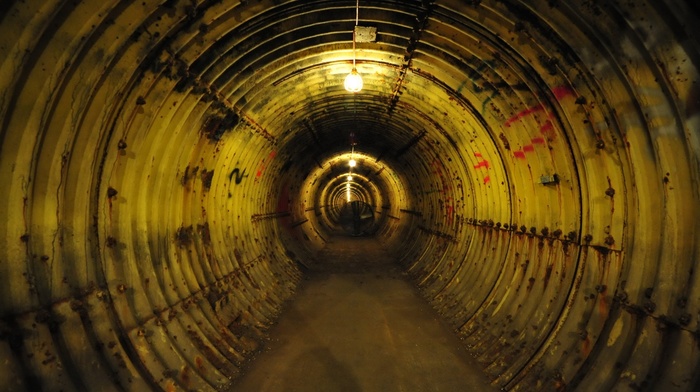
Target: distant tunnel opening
{"points": [[166, 167]]}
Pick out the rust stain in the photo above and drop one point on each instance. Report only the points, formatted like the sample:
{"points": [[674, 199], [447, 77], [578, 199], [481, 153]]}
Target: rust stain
{"points": [[199, 362], [603, 306], [185, 375], [586, 346], [547, 274]]}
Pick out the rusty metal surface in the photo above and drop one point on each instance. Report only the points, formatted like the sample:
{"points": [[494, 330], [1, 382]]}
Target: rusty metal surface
{"points": [[169, 168]]}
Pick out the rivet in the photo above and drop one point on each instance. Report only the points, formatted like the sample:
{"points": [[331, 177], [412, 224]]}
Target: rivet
{"points": [[649, 306], [684, 319]]}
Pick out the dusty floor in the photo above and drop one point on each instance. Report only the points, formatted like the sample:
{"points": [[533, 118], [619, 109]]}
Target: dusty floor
{"points": [[357, 324]]}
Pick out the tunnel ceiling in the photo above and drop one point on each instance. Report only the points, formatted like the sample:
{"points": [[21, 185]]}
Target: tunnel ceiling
{"points": [[168, 169]]}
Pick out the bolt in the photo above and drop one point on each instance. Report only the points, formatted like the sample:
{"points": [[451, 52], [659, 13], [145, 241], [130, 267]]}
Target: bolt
{"points": [[557, 233], [609, 240], [523, 228], [533, 230], [545, 231], [571, 236], [610, 192], [121, 145], [649, 306], [648, 292], [600, 144], [621, 296], [588, 238], [77, 305], [111, 192], [684, 319]]}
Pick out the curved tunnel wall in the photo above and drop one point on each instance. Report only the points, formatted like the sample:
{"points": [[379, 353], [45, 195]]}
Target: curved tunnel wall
{"points": [[166, 168]]}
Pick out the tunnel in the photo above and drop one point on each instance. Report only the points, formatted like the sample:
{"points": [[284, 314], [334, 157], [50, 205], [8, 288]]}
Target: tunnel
{"points": [[168, 168]]}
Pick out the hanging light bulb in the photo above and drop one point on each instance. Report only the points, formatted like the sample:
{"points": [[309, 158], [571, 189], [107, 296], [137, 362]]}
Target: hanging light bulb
{"points": [[353, 82], [352, 163], [349, 178]]}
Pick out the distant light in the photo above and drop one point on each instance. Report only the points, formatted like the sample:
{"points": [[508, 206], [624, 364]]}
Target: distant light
{"points": [[352, 163], [349, 178], [353, 82]]}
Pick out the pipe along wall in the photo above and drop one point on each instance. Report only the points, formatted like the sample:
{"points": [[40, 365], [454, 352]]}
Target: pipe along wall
{"points": [[167, 166]]}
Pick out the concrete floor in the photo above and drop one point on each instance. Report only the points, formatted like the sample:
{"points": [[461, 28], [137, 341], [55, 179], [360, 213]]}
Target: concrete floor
{"points": [[357, 324]]}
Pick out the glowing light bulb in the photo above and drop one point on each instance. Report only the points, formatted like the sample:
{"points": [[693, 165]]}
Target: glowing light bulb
{"points": [[353, 82], [352, 163], [349, 178]]}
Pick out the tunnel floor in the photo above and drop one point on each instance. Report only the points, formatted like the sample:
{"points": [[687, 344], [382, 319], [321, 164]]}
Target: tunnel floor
{"points": [[358, 324]]}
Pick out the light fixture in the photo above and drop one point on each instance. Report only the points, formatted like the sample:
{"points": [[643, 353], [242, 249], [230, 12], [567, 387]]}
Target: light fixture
{"points": [[349, 178], [352, 163], [353, 82]]}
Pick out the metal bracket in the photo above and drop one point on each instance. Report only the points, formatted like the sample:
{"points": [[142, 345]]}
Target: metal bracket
{"points": [[365, 34]]}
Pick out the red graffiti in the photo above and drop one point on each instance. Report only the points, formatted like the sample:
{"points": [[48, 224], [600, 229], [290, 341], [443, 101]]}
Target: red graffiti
{"points": [[538, 140], [548, 126], [438, 170], [561, 92], [524, 113], [482, 164], [487, 179], [529, 148], [519, 154], [262, 166]]}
